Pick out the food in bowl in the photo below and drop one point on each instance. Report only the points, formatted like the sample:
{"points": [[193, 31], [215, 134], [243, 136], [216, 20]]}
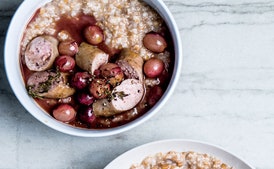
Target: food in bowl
{"points": [[183, 160], [96, 64]]}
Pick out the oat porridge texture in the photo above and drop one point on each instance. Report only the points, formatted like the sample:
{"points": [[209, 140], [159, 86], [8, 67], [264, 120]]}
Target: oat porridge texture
{"points": [[125, 22], [181, 160], [125, 49]]}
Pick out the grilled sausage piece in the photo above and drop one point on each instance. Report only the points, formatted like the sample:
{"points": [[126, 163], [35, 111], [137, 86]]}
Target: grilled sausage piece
{"points": [[41, 53], [90, 58], [132, 64], [49, 84], [124, 97]]}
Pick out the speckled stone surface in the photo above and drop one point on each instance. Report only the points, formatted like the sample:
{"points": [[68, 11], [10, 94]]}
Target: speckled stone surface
{"points": [[225, 95]]}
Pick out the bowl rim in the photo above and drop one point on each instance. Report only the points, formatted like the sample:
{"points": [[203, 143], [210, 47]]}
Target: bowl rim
{"points": [[138, 153], [14, 35]]}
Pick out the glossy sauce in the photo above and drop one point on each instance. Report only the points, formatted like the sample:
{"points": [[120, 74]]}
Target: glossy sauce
{"points": [[75, 26]]}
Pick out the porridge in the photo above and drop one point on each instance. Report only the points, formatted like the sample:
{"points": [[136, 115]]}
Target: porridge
{"points": [[124, 22], [96, 63], [181, 160]]}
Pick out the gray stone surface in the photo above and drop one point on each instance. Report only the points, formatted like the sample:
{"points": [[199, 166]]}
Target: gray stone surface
{"points": [[225, 95]]}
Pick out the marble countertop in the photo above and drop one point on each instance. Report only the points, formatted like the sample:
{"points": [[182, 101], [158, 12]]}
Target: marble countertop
{"points": [[225, 95]]}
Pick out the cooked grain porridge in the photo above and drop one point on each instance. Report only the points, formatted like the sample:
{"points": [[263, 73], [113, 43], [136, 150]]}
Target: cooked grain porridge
{"points": [[125, 22], [181, 160], [96, 63]]}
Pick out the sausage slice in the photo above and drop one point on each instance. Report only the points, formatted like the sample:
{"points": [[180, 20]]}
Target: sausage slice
{"points": [[49, 84], [124, 97], [90, 58], [41, 53], [132, 64]]}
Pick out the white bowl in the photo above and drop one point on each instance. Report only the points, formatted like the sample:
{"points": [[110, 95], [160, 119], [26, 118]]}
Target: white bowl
{"points": [[137, 154], [12, 49]]}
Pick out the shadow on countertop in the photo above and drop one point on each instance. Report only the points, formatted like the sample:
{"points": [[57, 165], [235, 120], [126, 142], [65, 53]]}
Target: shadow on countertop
{"points": [[7, 10], [9, 105]]}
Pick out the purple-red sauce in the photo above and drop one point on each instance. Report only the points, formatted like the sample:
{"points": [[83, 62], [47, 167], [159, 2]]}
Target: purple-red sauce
{"points": [[75, 26]]}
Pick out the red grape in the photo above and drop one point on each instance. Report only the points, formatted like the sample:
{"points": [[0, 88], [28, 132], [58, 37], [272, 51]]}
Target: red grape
{"points": [[64, 113], [69, 48], [85, 98], [112, 72], [99, 88], [86, 115], [65, 63], [153, 67], [94, 34], [155, 94], [81, 80], [154, 42]]}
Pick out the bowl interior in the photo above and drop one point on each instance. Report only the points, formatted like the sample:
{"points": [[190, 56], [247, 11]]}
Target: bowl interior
{"points": [[12, 49]]}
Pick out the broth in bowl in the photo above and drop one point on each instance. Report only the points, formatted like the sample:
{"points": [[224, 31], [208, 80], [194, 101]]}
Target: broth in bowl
{"points": [[96, 64]]}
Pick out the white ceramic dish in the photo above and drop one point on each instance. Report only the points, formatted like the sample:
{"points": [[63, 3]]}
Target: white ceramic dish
{"points": [[12, 48], [136, 155]]}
